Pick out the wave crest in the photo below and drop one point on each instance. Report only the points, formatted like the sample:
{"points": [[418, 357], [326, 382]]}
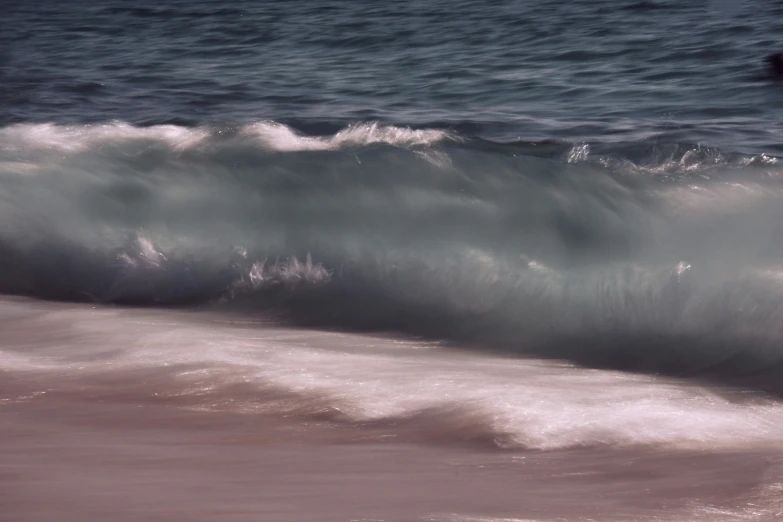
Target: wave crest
{"points": [[77, 138], [279, 137], [271, 135]]}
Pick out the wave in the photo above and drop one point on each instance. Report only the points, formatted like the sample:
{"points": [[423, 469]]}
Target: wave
{"points": [[279, 137], [650, 256], [383, 388], [268, 135]]}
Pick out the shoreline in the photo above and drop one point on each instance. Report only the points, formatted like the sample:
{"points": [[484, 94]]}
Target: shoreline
{"points": [[105, 416], [88, 460]]}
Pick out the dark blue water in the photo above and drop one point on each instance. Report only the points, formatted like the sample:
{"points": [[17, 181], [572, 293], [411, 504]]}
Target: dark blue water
{"points": [[581, 70], [592, 180]]}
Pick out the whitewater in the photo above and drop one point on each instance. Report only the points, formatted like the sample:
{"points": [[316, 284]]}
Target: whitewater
{"points": [[667, 261]]}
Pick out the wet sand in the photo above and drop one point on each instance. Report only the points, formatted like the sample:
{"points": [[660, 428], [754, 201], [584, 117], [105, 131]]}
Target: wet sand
{"points": [[65, 460], [102, 419]]}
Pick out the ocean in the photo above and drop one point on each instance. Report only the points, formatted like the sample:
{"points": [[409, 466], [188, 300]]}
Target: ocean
{"points": [[405, 261]]}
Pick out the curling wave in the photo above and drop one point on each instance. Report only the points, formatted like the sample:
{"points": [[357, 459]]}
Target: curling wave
{"points": [[651, 256]]}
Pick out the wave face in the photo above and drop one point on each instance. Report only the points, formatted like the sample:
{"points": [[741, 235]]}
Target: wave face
{"points": [[650, 256]]}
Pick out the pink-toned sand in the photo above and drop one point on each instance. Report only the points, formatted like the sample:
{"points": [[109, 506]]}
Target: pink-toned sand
{"points": [[122, 415], [66, 460]]}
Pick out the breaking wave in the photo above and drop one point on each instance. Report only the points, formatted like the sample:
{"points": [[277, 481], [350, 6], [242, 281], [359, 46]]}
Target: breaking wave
{"points": [[650, 256]]}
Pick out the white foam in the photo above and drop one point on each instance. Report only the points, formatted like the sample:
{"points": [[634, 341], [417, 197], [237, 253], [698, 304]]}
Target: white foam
{"points": [[279, 137], [578, 153], [532, 404], [76, 138], [271, 135], [288, 272]]}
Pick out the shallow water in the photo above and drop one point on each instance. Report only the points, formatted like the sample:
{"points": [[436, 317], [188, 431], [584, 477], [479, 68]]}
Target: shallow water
{"points": [[132, 415]]}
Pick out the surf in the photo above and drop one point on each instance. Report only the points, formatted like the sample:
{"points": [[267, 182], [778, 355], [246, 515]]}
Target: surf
{"points": [[649, 256]]}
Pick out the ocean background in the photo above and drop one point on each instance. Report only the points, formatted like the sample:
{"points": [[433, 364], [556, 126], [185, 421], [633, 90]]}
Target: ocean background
{"points": [[519, 230]]}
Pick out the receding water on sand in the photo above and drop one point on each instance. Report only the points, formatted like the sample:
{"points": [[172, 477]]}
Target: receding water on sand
{"points": [[126, 414]]}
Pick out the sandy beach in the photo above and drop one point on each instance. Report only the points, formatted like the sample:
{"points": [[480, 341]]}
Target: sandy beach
{"points": [[145, 443]]}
